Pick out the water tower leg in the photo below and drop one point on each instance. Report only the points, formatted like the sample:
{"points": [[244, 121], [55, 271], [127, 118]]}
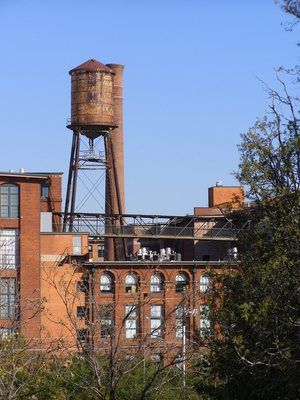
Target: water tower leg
{"points": [[75, 176], [72, 182], [69, 185]]}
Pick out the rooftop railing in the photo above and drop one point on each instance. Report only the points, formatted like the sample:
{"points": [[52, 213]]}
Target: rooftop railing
{"points": [[150, 226]]}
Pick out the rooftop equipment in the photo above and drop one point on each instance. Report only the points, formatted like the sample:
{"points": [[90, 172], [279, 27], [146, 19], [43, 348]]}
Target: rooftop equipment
{"points": [[145, 254]]}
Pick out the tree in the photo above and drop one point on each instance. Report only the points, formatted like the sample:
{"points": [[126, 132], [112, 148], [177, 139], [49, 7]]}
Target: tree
{"points": [[255, 350], [28, 374], [290, 6]]}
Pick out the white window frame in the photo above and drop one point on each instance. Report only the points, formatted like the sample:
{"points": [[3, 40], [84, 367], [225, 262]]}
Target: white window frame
{"points": [[205, 324], [131, 321], [106, 321], [156, 283], [182, 282], [131, 283], [205, 281], [106, 283], [156, 320], [9, 248], [77, 245], [7, 297], [179, 322]]}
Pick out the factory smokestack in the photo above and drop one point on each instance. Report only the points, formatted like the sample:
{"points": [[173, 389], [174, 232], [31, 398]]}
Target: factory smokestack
{"points": [[115, 202]]}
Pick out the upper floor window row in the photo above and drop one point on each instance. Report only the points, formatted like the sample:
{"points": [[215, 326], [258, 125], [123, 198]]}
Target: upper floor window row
{"points": [[156, 283], [9, 200]]}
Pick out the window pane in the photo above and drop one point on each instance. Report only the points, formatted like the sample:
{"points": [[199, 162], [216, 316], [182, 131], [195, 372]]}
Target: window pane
{"points": [[14, 212], [156, 311], [155, 283], [130, 311], [129, 280], [179, 326], [4, 211], [130, 324], [130, 333], [9, 200], [14, 189], [14, 200], [155, 327], [131, 321], [204, 320], [7, 297], [4, 189], [77, 245], [100, 250], [106, 284], [9, 248], [204, 283], [4, 200], [180, 278], [44, 190]]}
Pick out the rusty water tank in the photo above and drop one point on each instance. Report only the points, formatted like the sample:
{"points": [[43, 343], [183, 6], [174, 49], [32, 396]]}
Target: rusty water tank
{"points": [[92, 98]]}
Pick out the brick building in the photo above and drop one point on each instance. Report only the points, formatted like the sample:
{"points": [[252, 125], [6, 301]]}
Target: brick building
{"points": [[57, 289]]}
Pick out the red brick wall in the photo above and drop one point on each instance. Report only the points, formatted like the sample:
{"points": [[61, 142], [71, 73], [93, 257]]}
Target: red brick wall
{"points": [[225, 194], [54, 202], [56, 320], [28, 223]]}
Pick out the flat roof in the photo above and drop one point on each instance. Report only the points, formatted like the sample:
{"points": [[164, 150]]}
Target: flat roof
{"points": [[37, 175], [224, 186], [159, 263]]}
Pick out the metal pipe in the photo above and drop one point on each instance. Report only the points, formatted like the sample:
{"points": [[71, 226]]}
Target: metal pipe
{"points": [[93, 306]]}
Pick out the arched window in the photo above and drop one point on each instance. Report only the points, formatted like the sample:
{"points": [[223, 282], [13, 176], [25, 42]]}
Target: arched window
{"points": [[9, 200], [156, 283], [131, 283], [106, 283], [181, 282], [204, 283]]}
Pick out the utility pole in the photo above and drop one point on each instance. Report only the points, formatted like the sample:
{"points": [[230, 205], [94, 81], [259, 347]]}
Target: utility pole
{"points": [[184, 352]]}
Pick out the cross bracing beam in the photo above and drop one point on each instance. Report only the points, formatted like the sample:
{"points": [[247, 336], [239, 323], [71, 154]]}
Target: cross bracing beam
{"points": [[148, 226]]}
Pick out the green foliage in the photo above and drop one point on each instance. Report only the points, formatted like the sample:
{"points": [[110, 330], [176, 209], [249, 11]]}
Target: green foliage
{"points": [[25, 374], [146, 381]]}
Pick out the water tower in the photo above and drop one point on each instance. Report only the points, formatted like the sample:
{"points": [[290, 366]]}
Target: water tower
{"points": [[97, 114]]}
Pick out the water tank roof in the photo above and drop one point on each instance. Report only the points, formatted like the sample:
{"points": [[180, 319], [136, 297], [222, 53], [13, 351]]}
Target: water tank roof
{"points": [[91, 65]]}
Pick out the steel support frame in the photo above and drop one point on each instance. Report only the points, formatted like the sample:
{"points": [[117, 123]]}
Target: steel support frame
{"points": [[124, 226], [111, 171]]}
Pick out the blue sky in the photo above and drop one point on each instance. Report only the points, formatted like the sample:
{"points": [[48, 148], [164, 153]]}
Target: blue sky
{"points": [[191, 86]]}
